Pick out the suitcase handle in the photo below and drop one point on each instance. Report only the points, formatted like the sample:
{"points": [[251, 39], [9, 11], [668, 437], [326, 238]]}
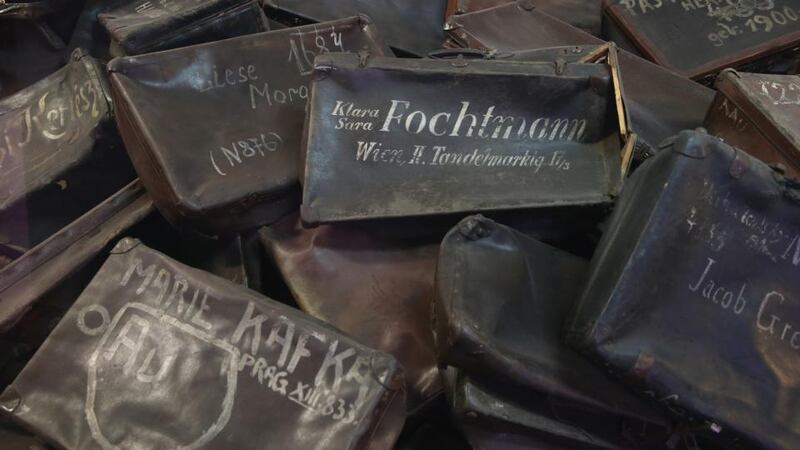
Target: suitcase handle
{"points": [[466, 53]]}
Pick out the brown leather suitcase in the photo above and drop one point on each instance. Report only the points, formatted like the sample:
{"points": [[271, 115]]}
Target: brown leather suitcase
{"points": [[583, 14], [156, 354], [410, 27], [519, 25], [373, 287], [699, 38], [759, 114], [149, 26], [60, 154], [240, 113], [416, 146]]}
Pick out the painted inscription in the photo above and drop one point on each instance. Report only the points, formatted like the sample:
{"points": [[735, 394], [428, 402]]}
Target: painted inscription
{"points": [[462, 120]]}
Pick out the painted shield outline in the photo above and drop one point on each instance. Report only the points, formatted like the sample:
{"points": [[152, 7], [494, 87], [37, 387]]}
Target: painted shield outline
{"points": [[232, 375]]}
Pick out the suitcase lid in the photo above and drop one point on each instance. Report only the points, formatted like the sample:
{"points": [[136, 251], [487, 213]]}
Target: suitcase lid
{"points": [[327, 198], [514, 26], [50, 126], [41, 268], [157, 354], [771, 102], [240, 116], [697, 39], [411, 26]]}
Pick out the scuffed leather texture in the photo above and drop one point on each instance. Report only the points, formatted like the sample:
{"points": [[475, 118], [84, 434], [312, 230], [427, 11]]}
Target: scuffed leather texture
{"points": [[370, 286], [411, 26], [760, 114], [583, 14], [155, 354], [22, 9], [493, 418], [519, 25], [493, 135], [660, 103], [500, 300], [691, 297], [240, 107], [141, 27], [59, 154]]}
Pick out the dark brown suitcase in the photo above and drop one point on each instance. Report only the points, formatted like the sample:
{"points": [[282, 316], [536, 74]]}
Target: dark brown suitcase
{"points": [[372, 287], [699, 38], [514, 26], [155, 354], [583, 14], [423, 143], [240, 114], [692, 296], [59, 152], [149, 26], [759, 114], [411, 27]]}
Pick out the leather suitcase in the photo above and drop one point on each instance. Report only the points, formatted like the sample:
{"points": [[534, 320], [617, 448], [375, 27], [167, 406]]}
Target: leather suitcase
{"points": [[155, 354], [492, 419], [410, 27], [699, 38], [423, 144], [60, 154], [519, 25], [759, 114], [234, 164], [149, 26], [32, 9], [692, 294], [373, 287], [583, 14], [660, 103], [499, 303]]}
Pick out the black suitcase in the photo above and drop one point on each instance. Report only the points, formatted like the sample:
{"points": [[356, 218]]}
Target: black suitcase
{"points": [[499, 304], [149, 26], [397, 137], [60, 154], [240, 113], [692, 296], [155, 354], [411, 27]]}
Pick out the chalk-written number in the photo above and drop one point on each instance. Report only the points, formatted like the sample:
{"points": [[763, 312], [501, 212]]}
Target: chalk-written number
{"points": [[304, 57], [764, 22], [789, 92]]}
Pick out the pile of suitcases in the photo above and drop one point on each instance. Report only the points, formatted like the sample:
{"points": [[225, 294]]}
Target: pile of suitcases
{"points": [[400, 224]]}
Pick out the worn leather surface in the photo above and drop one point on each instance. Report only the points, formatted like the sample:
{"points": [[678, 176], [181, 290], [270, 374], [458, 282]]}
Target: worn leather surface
{"points": [[493, 135], [370, 286], [411, 26], [701, 38], [583, 14], [760, 114], [157, 354], [59, 154], [492, 418], [234, 165], [500, 300], [659, 102], [146, 27], [519, 25], [692, 294]]}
